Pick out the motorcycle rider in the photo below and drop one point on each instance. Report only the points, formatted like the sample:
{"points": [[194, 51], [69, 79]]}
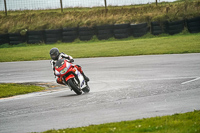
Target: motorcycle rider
{"points": [[56, 55]]}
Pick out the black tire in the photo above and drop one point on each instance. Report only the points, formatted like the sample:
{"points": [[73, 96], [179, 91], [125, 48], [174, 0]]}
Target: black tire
{"points": [[70, 29], [139, 30], [122, 31], [51, 40], [194, 29], [35, 37], [86, 37], [58, 36], [156, 28], [71, 83], [68, 38], [104, 27], [176, 23], [119, 31], [52, 36], [176, 27], [87, 32], [14, 35], [4, 38], [176, 31], [158, 32], [142, 30], [193, 24], [85, 29], [70, 33], [15, 42], [16, 38], [155, 23], [86, 89], [121, 36], [34, 41], [39, 33], [104, 36], [139, 34], [138, 26], [105, 31], [121, 26], [56, 31], [193, 19]]}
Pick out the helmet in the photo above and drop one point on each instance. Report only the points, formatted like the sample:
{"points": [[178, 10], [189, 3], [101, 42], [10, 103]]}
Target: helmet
{"points": [[54, 53]]}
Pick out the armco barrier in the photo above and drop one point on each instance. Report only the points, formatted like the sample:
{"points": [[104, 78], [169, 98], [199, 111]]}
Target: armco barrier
{"points": [[104, 32], [69, 34], [139, 30], [193, 25], [119, 31], [34, 37], [122, 31]]}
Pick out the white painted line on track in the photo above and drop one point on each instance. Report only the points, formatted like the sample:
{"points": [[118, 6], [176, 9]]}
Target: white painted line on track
{"points": [[191, 81]]}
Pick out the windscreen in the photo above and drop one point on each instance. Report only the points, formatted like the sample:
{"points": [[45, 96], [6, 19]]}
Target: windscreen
{"points": [[59, 63]]}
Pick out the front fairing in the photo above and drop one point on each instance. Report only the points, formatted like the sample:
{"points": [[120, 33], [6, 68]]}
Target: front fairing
{"points": [[62, 67]]}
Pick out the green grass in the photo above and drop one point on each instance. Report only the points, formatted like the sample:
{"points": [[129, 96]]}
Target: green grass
{"points": [[7, 90], [177, 123], [164, 44], [17, 21]]}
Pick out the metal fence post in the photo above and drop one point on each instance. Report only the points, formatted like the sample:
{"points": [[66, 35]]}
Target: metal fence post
{"points": [[5, 7], [105, 5], [61, 5]]}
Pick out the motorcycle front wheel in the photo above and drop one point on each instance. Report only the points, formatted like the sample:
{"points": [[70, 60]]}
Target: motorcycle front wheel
{"points": [[74, 86], [86, 89]]}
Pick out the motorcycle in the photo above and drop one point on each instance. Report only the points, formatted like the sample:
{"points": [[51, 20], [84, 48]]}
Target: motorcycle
{"points": [[71, 76]]}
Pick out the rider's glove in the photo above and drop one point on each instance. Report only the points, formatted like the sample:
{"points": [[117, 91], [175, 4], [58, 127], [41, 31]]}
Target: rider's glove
{"points": [[71, 60], [51, 62]]}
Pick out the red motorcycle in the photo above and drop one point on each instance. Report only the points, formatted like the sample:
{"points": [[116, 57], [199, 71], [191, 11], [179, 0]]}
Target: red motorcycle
{"points": [[71, 76]]}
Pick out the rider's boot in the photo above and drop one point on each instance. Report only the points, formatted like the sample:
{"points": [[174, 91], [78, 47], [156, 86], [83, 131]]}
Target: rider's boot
{"points": [[85, 77], [81, 71], [59, 81]]}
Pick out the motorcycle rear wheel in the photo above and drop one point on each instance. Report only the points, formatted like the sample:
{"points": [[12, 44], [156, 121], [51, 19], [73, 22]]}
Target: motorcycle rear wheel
{"points": [[74, 87]]}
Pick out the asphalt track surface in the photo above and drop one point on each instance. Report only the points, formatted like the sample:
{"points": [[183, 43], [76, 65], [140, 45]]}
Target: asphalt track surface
{"points": [[122, 88]]}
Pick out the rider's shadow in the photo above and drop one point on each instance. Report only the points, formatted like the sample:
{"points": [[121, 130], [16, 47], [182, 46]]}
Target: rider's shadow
{"points": [[74, 95], [69, 95]]}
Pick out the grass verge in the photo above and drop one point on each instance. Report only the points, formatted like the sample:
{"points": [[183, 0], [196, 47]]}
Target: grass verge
{"points": [[149, 44], [7, 90], [177, 123]]}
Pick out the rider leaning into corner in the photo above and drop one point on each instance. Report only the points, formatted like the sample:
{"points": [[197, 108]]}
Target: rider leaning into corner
{"points": [[56, 55]]}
